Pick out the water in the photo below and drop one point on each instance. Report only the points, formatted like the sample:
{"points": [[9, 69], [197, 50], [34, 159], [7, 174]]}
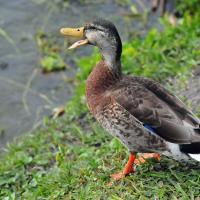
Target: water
{"points": [[26, 95]]}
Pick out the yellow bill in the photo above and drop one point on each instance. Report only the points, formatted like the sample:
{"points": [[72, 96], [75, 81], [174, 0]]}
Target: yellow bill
{"points": [[78, 44], [74, 32]]}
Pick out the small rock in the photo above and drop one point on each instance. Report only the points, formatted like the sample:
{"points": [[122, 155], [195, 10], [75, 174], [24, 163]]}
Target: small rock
{"points": [[197, 71], [3, 65]]}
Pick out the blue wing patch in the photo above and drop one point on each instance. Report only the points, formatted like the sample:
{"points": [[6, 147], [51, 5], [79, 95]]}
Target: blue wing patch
{"points": [[149, 128]]}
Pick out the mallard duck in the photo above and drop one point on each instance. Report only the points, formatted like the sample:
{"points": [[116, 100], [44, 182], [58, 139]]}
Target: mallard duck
{"points": [[140, 112]]}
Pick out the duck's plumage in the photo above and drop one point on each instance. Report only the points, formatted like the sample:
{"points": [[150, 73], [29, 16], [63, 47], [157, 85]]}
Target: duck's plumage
{"points": [[144, 115], [155, 106]]}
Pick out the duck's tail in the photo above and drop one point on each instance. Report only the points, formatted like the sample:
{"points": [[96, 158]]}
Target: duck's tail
{"points": [[193, 149], [195, 156]]}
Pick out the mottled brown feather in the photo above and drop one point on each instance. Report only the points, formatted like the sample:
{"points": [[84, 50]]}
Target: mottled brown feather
{"points": [[146, 100]]}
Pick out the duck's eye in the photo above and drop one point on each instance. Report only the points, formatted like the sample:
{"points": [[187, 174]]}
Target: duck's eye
{"points": [[91, 28], [78, 29]]}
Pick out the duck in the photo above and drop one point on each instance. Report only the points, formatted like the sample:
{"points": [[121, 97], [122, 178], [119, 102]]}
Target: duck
{"points": [[145, 116]]}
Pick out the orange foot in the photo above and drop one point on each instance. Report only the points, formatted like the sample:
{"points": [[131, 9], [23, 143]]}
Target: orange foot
{"points": [[129, 166], [142, 159], [127, 170]]}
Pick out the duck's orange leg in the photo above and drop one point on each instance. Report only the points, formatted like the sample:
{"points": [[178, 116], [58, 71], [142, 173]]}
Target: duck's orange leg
{"points": [[132, 160], [142, 159], [127, 170]]}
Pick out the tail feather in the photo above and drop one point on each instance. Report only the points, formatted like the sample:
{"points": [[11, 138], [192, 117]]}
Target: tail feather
{"points": [[197, 130], [193, 148], [195, 156]]}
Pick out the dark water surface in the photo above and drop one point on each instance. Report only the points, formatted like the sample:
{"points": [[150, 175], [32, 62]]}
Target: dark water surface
{"points": [[26, 95]]}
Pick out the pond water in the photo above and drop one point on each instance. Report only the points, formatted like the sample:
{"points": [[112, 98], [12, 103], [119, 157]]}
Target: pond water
{"points": [[26, 95]]}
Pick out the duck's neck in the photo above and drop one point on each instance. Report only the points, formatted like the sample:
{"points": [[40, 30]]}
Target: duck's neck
{"points": [[111, 57], [99, 81], [111, 53]]}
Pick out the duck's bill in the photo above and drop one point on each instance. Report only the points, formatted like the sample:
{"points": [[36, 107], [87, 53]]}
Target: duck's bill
{"points": [[78, 44], [74, 32]]}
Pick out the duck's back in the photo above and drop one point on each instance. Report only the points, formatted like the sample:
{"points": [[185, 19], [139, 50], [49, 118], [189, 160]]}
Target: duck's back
{"points": [[156, 107]]}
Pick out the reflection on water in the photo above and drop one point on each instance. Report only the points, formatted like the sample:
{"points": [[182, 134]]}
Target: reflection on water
{"points": [[25, 93]]}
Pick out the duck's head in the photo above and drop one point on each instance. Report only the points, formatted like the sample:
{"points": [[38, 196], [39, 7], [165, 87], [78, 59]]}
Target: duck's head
{"points": [[101, 33]]}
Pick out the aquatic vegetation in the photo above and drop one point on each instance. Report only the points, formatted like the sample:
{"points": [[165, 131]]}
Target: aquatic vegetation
{"points": [[52, 62], [51, 59], [5, 35]]}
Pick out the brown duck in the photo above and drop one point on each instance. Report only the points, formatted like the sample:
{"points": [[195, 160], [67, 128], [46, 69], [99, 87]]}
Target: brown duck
{"points": [[145, 116]]}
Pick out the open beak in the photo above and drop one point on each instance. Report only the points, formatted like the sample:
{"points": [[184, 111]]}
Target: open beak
{"points": [[75, 32]]}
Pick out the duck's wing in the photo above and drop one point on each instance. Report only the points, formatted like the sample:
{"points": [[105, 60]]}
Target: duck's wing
{"points": [[172, 100], [165, 114], [122, 124]]}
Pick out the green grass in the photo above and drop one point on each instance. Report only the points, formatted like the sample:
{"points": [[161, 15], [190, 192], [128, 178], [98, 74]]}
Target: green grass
{"points": [[72, 157], [66, 162]]}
